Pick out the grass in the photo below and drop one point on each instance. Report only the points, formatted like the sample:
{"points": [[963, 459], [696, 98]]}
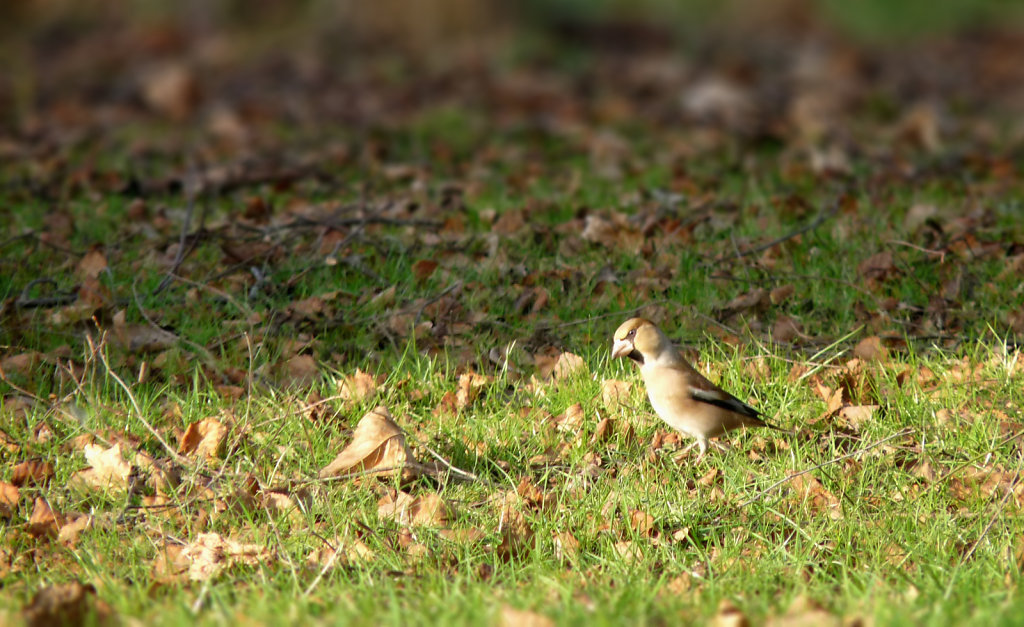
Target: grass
{"points": [[906, 512]]}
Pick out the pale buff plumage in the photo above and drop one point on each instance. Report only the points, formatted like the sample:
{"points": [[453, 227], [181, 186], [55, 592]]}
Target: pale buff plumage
{"points": [[680, 395]]}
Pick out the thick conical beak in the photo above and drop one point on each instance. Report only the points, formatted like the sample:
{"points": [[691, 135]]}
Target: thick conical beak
{"points": [[621, 348]]}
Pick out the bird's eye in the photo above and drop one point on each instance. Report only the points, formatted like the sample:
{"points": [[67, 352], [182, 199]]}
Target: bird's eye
{"points": [[631, 334]]}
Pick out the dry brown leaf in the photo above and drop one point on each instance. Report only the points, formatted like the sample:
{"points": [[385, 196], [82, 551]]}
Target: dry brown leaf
{"points": [[424, 510], [572, 420], [612, 232], [355, 388], [44, 521], [171, 89], [204, 439], [377, 447], [511, 617], [878, 266], [629, 551], [729, 615], [857, 415], [815, 496], [32, 472], [108, 469], [463, 536], [70, 531], [756, 299], [423, 268], [22, 364], [615, 393], [469, 386], [301, 371], [9, 495], [211, 553], [568, 364], [92, 264], [67, 604], [781, 294], [804, 612], [566, 546], [871, 349]]}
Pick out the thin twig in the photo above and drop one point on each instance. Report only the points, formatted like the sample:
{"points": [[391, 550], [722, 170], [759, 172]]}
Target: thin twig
{"points": [[834, 460], [131, 397], [179, 258], [824, 215]]}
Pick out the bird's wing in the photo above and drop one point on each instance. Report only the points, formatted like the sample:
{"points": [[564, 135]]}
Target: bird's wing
{"points": [[703, 390]]}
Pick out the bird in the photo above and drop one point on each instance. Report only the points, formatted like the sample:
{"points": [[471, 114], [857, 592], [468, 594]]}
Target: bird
{"points": [[680, 395]]}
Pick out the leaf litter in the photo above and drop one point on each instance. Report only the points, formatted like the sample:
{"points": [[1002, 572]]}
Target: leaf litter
{"points": [[301, 285]]}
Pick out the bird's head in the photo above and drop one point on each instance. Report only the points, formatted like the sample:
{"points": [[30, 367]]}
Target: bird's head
{"points": [[639, 339]]}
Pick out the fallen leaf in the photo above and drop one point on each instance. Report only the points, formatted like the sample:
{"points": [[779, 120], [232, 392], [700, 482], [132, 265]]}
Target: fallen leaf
{"points": [[856, 416], [44, 521], [301, 371], [70, 531], [804, 612], [729, 615], [511, 617], [355, 388], [211, 553], [9, 495], [32, 472], [567, 365], [571, 420], [204, 439], [22, 364], [377, 447], [108, 469], [566, 546], [92, 264], [67, 604], [614, 393], [871, 349], [424, 510], [469, 386]]}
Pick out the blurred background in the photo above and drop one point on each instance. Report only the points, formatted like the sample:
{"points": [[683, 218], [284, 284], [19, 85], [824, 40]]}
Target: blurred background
{"points": [[225, 78]]}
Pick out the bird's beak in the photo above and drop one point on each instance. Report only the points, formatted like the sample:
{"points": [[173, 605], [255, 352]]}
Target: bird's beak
{"points": [[621, 348]]}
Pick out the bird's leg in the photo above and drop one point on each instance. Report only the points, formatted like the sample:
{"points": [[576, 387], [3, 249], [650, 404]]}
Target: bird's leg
{"points": [[703, 444]]}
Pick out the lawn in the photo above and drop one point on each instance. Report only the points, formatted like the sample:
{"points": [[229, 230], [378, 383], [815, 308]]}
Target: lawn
{"points": [[304, 328]]}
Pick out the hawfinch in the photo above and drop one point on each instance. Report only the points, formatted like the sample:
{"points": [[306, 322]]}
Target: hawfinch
{"points": [[679, 394]]}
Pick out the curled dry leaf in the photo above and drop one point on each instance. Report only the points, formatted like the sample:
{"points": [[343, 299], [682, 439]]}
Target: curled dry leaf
{"points": [[614, 393], [69, 532], [804, 612], [469, 388], [815, 496], [729, 615], [92, 264], [341, 552], [571, 421], [204, 439], [551, 363], [424, 510], [511, 617], [44, 521], [566, 546], [856, 416], [211, 553], [32, 472], [871, 349], [9, 495], [300, 371], [377, 447], [108, 469], [69, 603], [355, 388]]}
